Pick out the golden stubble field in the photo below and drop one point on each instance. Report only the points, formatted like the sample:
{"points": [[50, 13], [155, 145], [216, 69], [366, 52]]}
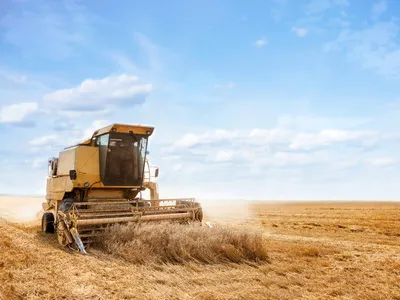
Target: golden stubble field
{"points": [[315, 251]]}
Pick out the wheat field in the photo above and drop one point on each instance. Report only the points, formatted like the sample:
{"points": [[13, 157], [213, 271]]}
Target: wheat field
{"points": [[315, 250]]}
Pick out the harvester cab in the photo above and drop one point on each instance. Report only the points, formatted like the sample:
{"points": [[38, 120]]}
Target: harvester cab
{"points": [[99, 182]]}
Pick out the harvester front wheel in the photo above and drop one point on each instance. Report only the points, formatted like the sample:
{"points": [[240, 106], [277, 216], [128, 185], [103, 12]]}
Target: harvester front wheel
{"points": [[66, 204], [48, 222], [199, 215]]}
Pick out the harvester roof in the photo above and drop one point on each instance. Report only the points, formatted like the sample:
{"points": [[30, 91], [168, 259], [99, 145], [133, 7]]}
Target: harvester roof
{"points": [[138, 129], [125, 128]]}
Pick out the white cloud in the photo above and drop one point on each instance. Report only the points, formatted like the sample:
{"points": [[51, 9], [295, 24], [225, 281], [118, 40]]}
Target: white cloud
{"points": [[300, 31], [98, 95], [287, 139], [381, 161], [223, 156], [315, 123], [188, 140], [268, 136], [171, 157], [88, 132], [257, 151], [44, 140], [75, 114], [14, 78], [177, 167], [39, 162], [374, 47], [67, 137], [16, 113], [328, 137], [76, 136], [268, 153], [378, 9], [260, 157], [284, 158], [261, 42]]}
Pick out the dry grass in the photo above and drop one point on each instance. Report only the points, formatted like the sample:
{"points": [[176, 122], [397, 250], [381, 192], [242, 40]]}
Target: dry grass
{"points": [[309, 257], [177, 243], [377, 222]]}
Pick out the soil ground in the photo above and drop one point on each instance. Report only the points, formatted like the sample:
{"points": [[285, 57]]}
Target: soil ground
{"points": [[317, 250]]}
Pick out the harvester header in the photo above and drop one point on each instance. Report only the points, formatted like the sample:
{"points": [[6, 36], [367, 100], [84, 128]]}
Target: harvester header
{"points": [[99, 182]]}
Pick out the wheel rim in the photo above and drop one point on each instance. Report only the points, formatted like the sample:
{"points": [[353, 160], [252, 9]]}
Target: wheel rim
{"points": [[44, 226]]}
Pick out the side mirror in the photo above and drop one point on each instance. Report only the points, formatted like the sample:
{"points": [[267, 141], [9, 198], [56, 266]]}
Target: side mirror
{"points": [[52, 166], [156, 172], [72, 174]]}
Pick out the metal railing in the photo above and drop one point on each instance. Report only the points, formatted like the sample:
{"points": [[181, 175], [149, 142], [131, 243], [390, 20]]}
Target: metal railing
{"points": [[147, 172]]}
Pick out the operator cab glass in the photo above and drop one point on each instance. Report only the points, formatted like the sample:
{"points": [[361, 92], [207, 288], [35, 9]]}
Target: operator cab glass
{"points": [[122, 158]]}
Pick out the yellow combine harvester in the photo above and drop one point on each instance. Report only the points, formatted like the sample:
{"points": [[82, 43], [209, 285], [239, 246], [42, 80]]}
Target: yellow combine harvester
{"points": [[99, 182]]}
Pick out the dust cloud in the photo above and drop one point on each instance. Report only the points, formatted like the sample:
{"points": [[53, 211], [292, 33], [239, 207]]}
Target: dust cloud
{"points": [[20, 209], [225, 211], [28, 209]]}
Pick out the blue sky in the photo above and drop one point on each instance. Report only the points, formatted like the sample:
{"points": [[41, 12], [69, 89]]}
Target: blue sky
{"points": [[271, 99]]}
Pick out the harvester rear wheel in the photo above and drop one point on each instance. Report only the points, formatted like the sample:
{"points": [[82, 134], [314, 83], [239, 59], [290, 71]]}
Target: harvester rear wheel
{"points": [[48, 222]]}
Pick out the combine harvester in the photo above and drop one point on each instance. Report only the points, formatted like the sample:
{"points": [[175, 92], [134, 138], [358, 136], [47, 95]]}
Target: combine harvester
{"points": [[99, 182]]}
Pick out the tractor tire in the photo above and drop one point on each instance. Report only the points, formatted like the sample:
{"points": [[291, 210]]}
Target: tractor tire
{"points": [[140, 204], [66, 204], [48, 223], [199, 215]]}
